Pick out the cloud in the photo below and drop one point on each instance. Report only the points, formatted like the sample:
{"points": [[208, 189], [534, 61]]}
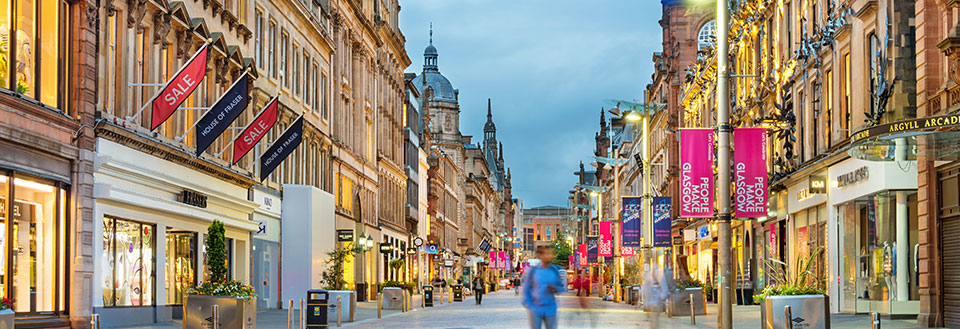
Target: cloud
{"points": [[547, 65]]}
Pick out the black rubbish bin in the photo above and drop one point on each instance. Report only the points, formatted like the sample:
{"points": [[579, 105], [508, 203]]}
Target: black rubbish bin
{"points": [[316, 310], [458, 292], [362, 292], [428, 295]]}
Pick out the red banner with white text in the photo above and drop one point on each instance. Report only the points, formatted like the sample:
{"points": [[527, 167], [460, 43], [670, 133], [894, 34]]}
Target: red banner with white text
{"points": [[252, 134], [582, 248], [696, 173], [178, 88], [750, 171]]}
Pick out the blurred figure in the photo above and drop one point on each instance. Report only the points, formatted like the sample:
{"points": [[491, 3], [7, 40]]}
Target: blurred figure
{"points": [[478, 286], [655, 290], [516, 286], [539, 287]]}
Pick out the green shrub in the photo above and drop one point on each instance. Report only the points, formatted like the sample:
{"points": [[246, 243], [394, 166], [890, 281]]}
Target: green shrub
{"points": [[800, 282], [217, 283], [405, 285]]}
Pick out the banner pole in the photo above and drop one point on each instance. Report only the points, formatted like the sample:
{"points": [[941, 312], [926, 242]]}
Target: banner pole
{"points": [[234, 84], [157, 93]]}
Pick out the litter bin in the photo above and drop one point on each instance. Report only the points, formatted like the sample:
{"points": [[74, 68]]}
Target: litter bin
{"points": [[428, 295], [362, 292], [458, 292], [317, 300], [634, 294], [348, 305]]}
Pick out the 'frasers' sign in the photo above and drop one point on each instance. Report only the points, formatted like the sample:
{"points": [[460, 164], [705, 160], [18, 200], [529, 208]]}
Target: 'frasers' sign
{"points": [[255, 131], [696, 173], [178, 88], [750, 171]]}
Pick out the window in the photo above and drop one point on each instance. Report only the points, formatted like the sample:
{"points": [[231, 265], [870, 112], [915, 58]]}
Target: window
{"points": [[370, 141], [845, 94], [789, 30], [284, 43], [873, 62], [707, 35], [37, 60], [181, 264], [345, 193], [110, 67], [828, 127], [258, 39], [35, 222], [296, 70], [128, 255], [316, 93], [323, 95], [307, 80], [272, 48]]}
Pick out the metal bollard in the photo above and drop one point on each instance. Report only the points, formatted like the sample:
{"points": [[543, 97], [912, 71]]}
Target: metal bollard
{"points": [[94, 321], [290, 314], [875, 320], [441, 295], [789, 317], [338, 311], [693, 313], [302, 316], [379, 305], [216, 316]]}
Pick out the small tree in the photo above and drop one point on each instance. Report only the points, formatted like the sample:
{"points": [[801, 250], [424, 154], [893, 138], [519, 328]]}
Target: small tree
{"points": [[216, 252], [564, 250], [333, 276]]}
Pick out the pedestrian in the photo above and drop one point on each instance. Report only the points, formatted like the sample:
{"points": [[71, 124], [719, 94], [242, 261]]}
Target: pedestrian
{"points": [[654, 292], [478, 289], [539, 287], [516, 286]]}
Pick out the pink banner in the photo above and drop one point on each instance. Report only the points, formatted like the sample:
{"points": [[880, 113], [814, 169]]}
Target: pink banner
{"points": [[627, 251], [750, 171], [582, 252], [570, 263], [501, 260], [605, 243], [696, 173], [493, 260]]}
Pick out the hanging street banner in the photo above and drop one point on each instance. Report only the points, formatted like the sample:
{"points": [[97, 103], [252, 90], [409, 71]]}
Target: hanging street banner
{"points": [[571, 265], [175, 91], [493, 260], [661, 221], [605, 242], [592, 249], [501, 260], [222, 114], [582, 253], [696, 173], [627, 251], [506, 263], [257, 128], [750, 172], [484, 245], [281, 148], [632, 208]]}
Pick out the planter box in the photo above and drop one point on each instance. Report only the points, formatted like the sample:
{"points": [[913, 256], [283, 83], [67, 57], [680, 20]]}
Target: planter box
{"points": [[6, 319], [680, 302], [392, 298], [808, 311], [240, 313], [348, 305]]}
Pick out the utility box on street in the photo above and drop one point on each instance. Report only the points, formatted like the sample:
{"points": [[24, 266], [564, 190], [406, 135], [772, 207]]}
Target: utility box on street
{"points": [[316, 311]]}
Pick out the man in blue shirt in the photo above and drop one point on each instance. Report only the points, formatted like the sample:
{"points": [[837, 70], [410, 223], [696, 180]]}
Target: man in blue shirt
{"points": [[542, 282]]}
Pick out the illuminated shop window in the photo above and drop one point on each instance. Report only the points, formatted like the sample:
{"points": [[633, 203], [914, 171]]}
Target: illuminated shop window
{"points": [[128, 263]]}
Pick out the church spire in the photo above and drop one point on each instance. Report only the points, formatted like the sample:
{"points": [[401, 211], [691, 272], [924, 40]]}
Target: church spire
{"points": [[490, 129]]}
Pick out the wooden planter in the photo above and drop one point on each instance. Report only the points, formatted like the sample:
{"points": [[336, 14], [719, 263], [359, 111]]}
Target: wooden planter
{"points": [[808, 312], [680, 302], [240, 313]]}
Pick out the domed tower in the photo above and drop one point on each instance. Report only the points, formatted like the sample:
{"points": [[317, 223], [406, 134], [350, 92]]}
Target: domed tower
{"points": [[442, 103]]}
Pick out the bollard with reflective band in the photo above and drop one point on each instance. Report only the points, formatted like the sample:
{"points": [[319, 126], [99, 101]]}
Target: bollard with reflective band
{"points": [[301, 315], [788, 314], [290, 314], [94, 321], [875, 317], [338, 311], [693, 313], [216, 316]]}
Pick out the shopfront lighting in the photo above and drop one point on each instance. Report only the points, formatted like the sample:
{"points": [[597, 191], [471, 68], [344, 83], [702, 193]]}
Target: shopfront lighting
{"points": [[369, 242], [32, 185]]}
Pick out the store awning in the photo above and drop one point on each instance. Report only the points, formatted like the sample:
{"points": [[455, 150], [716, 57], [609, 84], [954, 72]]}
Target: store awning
{"points": [[936, 138]]}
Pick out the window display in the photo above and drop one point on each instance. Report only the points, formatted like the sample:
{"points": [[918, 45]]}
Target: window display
{"points": [[128, 263], [181, 265]]}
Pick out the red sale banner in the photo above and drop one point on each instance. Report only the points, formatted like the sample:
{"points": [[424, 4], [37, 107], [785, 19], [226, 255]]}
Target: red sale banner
{"points": [[627, 251], [252, 134], [605, 243], [582, 252], [750, 171], [178, 88], [696, 173]]}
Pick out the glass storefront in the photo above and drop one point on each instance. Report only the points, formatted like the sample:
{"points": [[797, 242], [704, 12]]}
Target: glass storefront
{"points": [[128, 260], [32, 265], [266, 257], [181, 265], [869, 257], [810, 232]]}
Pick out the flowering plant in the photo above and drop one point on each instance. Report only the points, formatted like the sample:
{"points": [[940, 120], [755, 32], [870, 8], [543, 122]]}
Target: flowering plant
{"points": [[6, 304], [231, 288]]}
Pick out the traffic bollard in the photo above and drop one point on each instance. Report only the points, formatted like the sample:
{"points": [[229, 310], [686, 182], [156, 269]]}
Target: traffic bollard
{"points": [[379, 305], [302, 316], [441, 296], [693, 313], [94, 321], [789, 317], [875, 317], [216, 316], [338, 311], [290, 314]]}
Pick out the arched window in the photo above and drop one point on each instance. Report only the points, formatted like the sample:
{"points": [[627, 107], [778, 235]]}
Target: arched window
{"points": [[707, 35]]}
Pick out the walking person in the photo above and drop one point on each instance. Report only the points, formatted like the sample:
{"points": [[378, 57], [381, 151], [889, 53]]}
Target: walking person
{"points": [[539, 287], [516, 286], [478, 289]]}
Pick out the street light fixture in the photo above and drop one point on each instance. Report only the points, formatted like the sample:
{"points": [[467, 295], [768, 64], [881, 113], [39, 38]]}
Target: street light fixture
{"points": [[633, 116]]}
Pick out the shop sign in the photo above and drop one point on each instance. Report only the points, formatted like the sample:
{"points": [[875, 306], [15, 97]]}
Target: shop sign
{"points": [[854, 177], [919, 124], [661, 221], [696, 173], [677, 240], [418, 241], [386, 247], [345, 235], [627, 251], [818, 184], [431, 249], [632, 207], [268, 202], [703, 232], [605, 241], [192, 198], [803, 194], [750, 172], [448, 263]]}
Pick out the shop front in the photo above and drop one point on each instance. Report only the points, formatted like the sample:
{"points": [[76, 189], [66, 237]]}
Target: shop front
{"points": [[873, 208], [700, 249], [807, 225], [266, 247], [152, 216]]}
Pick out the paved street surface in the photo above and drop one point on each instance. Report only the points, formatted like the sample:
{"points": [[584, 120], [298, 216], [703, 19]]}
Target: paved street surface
{"points": [[503, 310]]}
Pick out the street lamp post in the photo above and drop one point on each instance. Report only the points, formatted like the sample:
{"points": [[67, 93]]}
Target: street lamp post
{"points": [[723, 164]]}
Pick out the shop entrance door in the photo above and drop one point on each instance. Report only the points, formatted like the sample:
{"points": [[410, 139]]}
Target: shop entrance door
{"points": [[951, 264]]}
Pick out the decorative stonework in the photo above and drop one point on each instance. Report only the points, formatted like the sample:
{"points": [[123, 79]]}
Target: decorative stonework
{"points": [[161, 27], [137, 9]]}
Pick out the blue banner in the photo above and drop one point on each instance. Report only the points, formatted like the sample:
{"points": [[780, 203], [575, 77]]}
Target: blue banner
{"points": [[632, 208], [661, 221], [222, 114], [282, 147], [592, 249]]}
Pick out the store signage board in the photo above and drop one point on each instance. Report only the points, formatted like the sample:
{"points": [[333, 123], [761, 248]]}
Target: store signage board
{"points": [[605, 240], [386, 247], [854, 177], [750, 172], [703, 232], [696, 173], [431, 249], [418, 241], [912, 125], [661, 221], [627, 251], [630, 212], [677, 240], [818, 184], [484, 245], [345, 235], [192, 198]]}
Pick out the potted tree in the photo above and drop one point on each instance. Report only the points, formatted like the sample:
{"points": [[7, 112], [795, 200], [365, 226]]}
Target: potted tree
{"points": [[801, 290], [687, 291], [334, 282], [236, 301]]}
